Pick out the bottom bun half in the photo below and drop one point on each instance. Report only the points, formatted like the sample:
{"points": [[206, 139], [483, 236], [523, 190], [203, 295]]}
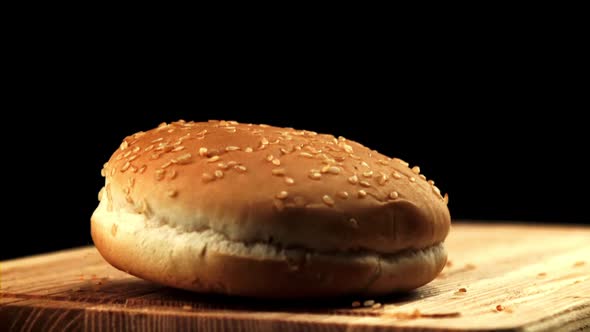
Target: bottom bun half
{"points": [[207, 261]]}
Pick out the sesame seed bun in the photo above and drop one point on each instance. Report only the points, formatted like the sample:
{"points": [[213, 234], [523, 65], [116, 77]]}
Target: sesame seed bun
{"points": [[271, 212]]}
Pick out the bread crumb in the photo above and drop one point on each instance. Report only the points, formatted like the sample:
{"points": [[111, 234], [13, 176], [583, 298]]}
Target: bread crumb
{"points": [[470, 266], [187, 307], [499, 307], [356, 304], [368, 303], [462, 290], [579, 263], [542, 274]]}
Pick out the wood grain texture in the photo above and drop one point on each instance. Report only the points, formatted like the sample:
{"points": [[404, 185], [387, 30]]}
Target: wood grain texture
{"points": [[540, 275]]}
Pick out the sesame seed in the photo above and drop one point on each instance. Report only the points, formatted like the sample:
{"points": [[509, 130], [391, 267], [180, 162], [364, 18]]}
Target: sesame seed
{"points": [[173, 174], [207, 177], [347, 148], [119, 157], [232, 148], [436, 190], [383, 162], [278, 171], [218, 174], [158, 140], [382, 179], [284, 151], [356, 304], [126, 154], [276, 162], [412, 179], [136, 149], [306, 154], [178, 148], [124, 145], [160, 174], [446, 198], [231, 163], [113, 171], [430, 182], [396, 175], [393, 195], [240, 168], [164, 147], [155, 156], [133, 169], [401, 162], [171, 193], [213, 159], [342, 194], [132, 158], [167, 164], [125, 167], [270, 157], [376, 305], [333, 170], [203, 152], [264, 141], [364, 164], [248, 149], [368, 303], [368, 174], [354, 156], [222, 165], [353, 179], [328, 200], [289, 180], [365, 184], [416, 169], [362, 194], [282, 195], [315, 176], [184, 159], [279, 205], [422, 176]]}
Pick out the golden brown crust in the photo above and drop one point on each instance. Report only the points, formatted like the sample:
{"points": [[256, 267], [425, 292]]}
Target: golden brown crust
{"points": [[260, 183]]}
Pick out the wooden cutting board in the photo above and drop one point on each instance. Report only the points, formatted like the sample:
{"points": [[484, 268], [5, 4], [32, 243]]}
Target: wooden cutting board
{"points": [[539, 275]]}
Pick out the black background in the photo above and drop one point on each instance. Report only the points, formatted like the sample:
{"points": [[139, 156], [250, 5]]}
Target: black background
{"points": [[500, 129]]}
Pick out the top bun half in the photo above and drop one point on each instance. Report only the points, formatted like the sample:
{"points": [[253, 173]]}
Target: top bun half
{"points": [[292, 188]]}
